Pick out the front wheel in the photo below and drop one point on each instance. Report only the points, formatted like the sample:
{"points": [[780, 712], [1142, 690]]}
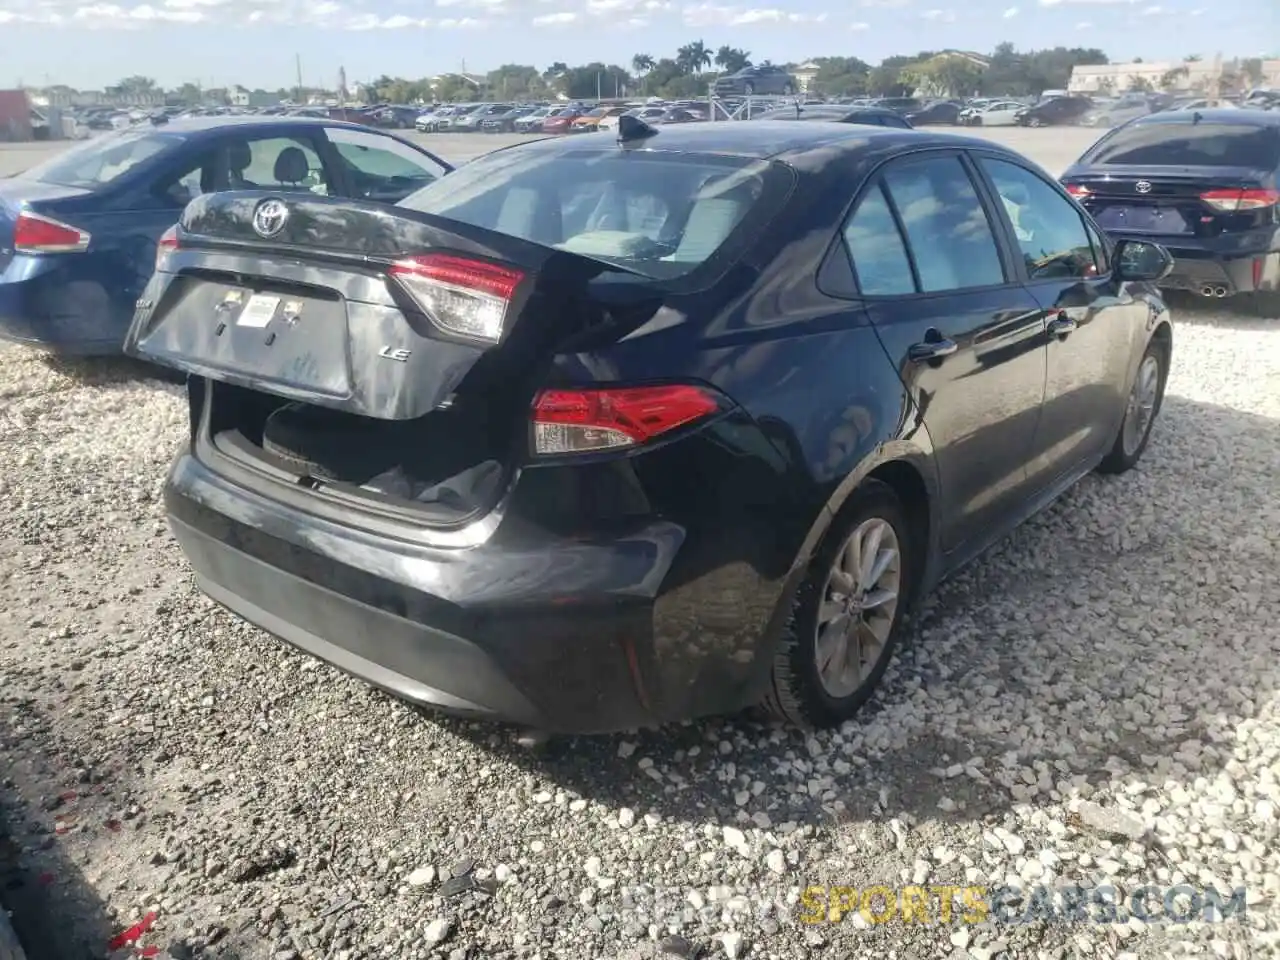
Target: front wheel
{"points": [[1145, 399], [1035, 122], [847, 613]]}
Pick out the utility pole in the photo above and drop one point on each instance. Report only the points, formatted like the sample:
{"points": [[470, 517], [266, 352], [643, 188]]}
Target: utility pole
{"points": [[297, 59]]}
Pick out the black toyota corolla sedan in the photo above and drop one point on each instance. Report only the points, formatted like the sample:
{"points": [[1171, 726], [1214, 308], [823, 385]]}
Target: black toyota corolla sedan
{"points": [[603, 432]]}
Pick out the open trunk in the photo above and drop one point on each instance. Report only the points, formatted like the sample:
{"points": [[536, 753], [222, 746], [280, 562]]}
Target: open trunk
{"points": [[384, 359]]}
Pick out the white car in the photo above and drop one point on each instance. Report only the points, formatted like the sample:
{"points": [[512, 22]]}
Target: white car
{"points": [[1114, 114], [644, 113], [1002, 113]]}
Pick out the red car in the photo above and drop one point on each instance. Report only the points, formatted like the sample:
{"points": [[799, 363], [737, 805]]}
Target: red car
{"points": [[561, 121]]}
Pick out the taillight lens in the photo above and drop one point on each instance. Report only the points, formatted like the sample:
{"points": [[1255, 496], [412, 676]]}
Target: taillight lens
{"points": [[1077, 190], [460, 295], [165, 247], [1232, 201], [586, 421], [35, 233]]}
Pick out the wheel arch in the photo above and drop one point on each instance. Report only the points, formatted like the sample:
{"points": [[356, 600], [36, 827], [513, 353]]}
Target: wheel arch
{"points": [[909, 469]]}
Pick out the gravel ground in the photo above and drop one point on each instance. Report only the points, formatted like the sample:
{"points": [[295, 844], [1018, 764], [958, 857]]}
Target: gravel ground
{"points": [[1094, 702]]}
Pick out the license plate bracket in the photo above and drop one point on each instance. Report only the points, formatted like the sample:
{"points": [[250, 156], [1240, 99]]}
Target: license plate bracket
{"points": [[1142, 219], [259, 311]]}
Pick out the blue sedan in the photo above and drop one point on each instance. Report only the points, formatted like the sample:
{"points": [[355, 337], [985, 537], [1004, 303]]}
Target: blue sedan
{"points": [[78, 232]]}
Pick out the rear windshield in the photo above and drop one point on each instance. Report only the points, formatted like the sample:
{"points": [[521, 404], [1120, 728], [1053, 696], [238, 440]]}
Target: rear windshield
{"points": [[659, 214], [101, 160], [1188, 144]]}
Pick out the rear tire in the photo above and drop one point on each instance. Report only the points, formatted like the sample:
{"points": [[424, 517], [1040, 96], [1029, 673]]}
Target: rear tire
{"points": [[1143, 406], [873, 526]]}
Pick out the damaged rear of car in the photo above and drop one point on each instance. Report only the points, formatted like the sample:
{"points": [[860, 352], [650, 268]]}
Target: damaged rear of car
{"points": [[461, 447]]}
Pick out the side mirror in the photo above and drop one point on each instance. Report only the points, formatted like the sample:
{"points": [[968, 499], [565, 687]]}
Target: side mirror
{"points": [[1142, 260]]}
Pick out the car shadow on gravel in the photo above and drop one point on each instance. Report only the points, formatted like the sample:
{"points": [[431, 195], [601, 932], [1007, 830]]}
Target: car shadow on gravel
{"points": [[1228, 314], [104, 371], [55, 911], [1074, 653]]}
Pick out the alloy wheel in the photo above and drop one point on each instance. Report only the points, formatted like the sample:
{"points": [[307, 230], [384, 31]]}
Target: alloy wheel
{"points": [[1142, 404], [859, 603]]}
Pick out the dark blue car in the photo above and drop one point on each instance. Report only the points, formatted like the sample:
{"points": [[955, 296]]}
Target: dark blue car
{"points": [[78, 232]]}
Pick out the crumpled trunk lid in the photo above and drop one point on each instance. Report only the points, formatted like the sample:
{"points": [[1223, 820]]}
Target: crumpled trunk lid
{"points": [[312, 312]]}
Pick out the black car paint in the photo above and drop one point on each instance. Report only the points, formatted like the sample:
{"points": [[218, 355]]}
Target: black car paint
{"points": [[1210, 248], [653, 586]]}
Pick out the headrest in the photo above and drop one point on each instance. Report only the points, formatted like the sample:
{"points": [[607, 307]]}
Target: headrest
{"points": [[292, 166], [239, 156]]}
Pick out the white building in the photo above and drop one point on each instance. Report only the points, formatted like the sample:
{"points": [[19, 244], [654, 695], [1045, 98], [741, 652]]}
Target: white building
{"points": [[1198, 75]]}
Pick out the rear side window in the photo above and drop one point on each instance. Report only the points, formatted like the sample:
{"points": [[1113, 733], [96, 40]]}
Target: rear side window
{"points": [[879, 254], [661, 215], [950, 237], [101, 161], [1190, 145]]}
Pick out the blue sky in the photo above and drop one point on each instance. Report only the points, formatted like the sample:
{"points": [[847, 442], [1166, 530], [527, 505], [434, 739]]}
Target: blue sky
{"points": [[253, 42]]}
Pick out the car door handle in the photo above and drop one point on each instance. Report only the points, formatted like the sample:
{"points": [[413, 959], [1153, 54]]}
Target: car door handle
{"points": [[1061, 325], [932, 350]]}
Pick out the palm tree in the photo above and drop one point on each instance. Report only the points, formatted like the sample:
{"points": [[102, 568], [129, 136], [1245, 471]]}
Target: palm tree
{"points": [[692, 57], [642, 63], [732, 59]]}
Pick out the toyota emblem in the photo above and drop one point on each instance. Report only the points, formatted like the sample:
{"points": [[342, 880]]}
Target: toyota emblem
{"points": [[269, 218], [1143, 186]]}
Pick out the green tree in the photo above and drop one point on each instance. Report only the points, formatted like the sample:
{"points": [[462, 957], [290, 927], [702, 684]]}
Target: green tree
{"points": [[840, 77], [693, 57], [732, 59], [1251, 71], [1140, 85], [513, 81], [642, 64], [1169, 79], [596, 79]]}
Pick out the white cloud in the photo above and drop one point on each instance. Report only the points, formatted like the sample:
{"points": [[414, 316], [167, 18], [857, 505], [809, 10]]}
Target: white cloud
{"points": [[940, 16], [1084, 25], [555, 19], [110, 15], [891, 4], [714, 15], [860, 25], [1107, 3], [1010, 13], [1152, 11]]}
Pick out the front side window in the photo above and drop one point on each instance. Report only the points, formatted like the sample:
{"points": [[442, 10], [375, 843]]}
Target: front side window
{"points": [[951, 239], [661, 215], [381, 168], [1051, 232], [274, 163]]}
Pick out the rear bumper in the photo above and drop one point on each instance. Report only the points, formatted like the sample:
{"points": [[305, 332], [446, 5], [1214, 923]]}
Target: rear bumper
{"points": [[570, 636], [39, 308], [1196, 268]]}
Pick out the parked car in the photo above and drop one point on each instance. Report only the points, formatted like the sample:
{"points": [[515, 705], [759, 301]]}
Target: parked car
{"points": [[429, 121], [647, 114], [446, 122], [470, 122], [396, 117], [505, 122], [1117, 112], [751, 81], [677, 115], [589, 122], [561, 120], [1205, 184], [78, 232], [1054, 112], [532, 122], [598, 530], [903, 105], [840, 114], [944, 111], [1001, 113]]}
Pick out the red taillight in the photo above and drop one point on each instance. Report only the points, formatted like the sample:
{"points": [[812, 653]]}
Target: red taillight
{"points": [[461, 295], [1232, 201], [585, 421], [1077, 190], [165, 247], [34, 233]]}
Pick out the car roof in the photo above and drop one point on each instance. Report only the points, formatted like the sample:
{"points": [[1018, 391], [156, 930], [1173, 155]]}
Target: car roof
{"points": [[783, 140], [1232, 115], [196, 126]]}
